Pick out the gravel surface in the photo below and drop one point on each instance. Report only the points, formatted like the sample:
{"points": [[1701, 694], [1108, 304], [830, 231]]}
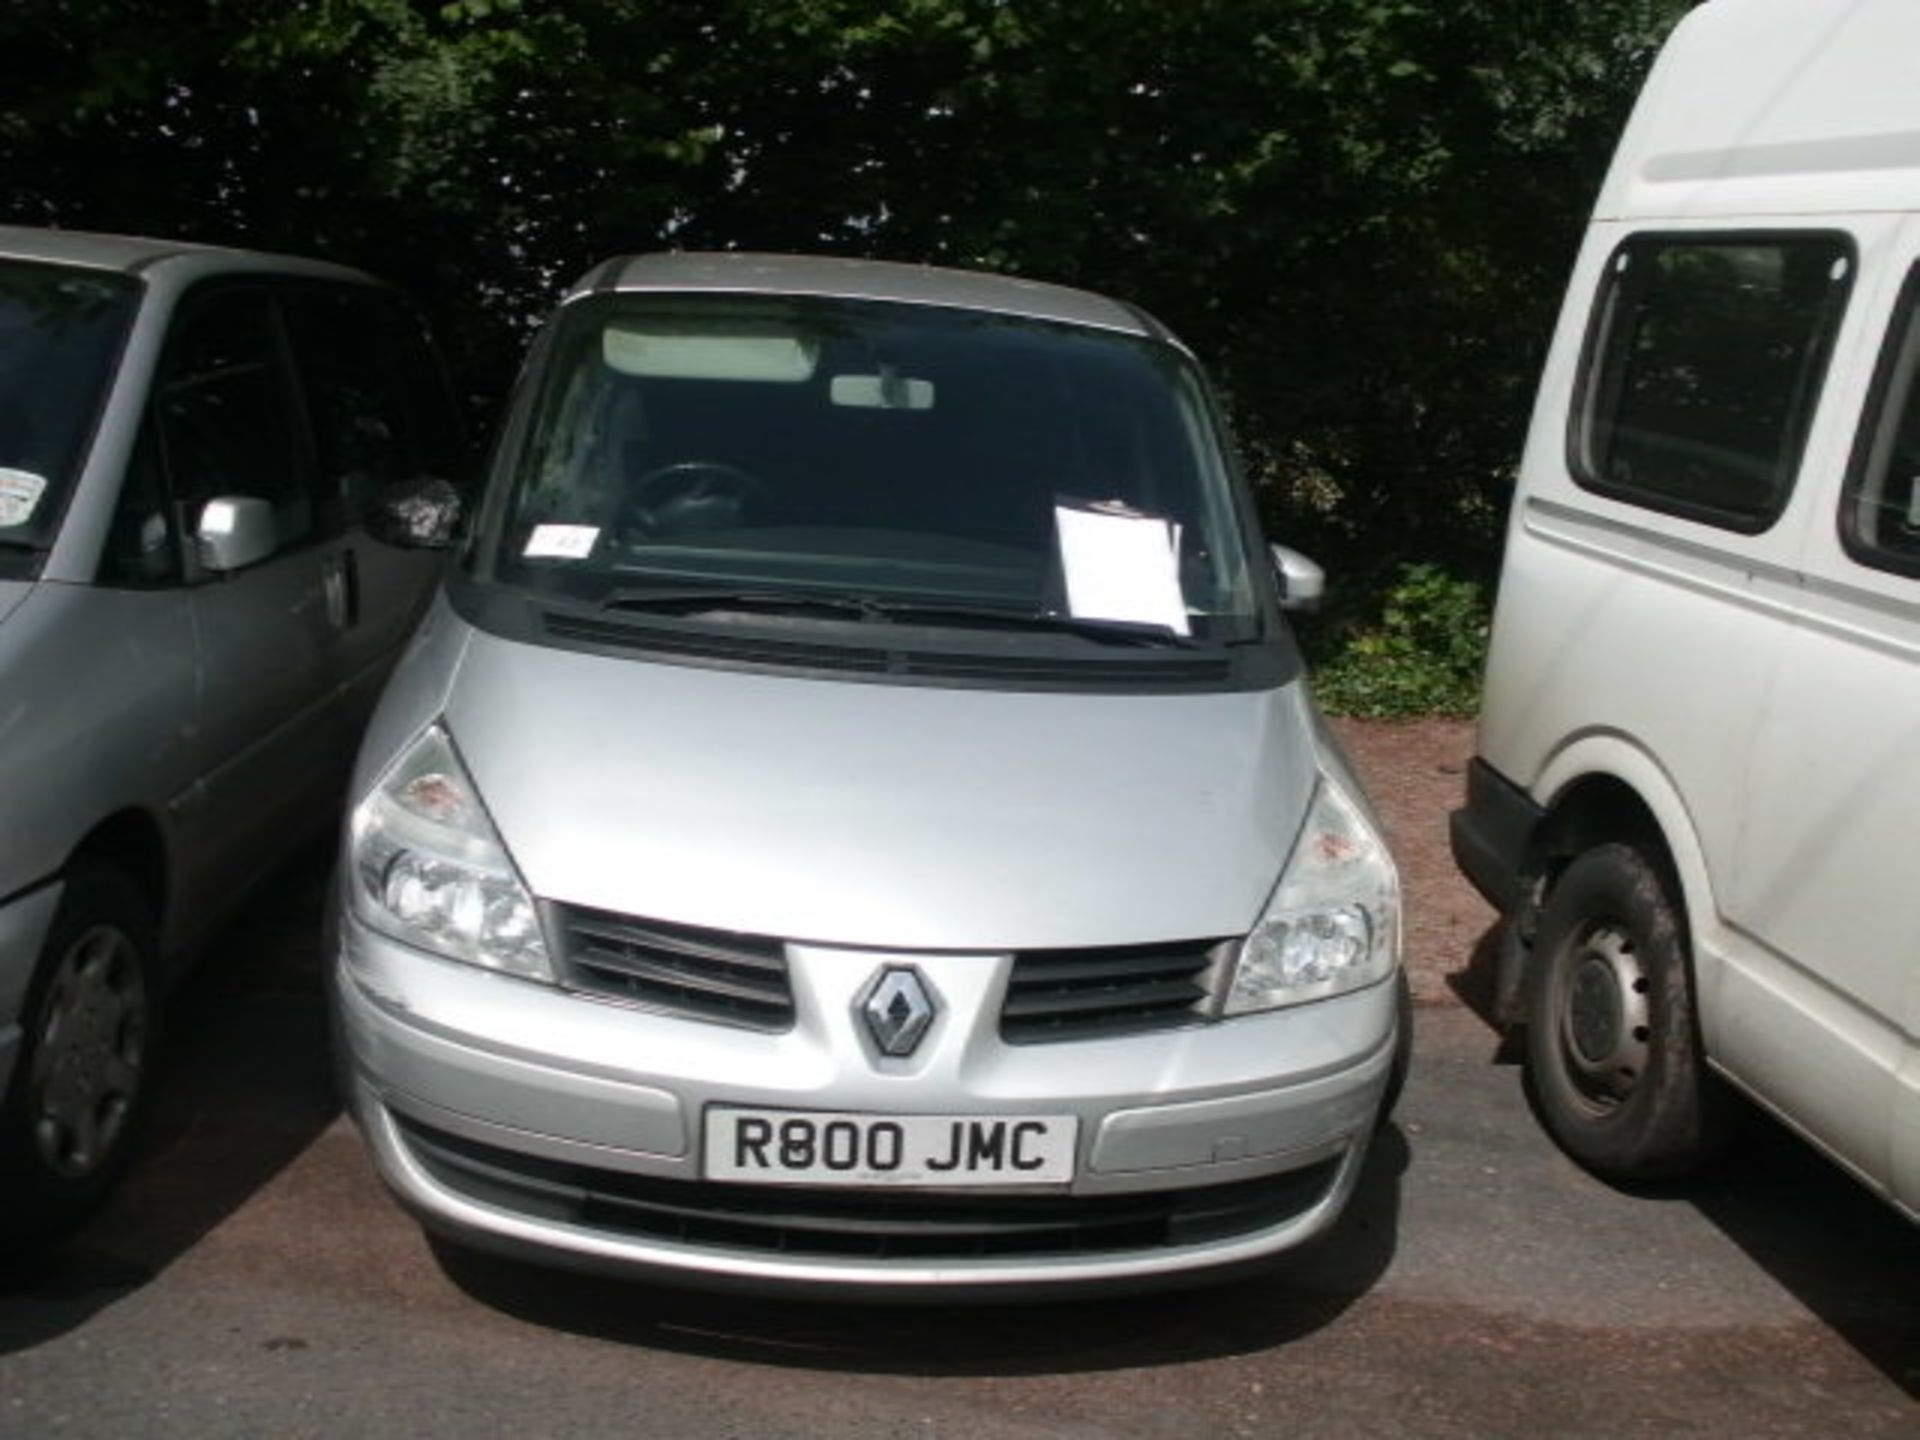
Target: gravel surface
{"points": [[1415, 772]]}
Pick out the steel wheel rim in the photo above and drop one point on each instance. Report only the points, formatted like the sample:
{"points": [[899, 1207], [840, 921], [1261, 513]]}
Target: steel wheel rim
{"points": [[89, 1053], [1605, 1023]]}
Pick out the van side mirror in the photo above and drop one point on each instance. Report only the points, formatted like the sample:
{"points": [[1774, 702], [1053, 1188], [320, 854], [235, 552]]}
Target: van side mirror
{"points": [[235, 531], [422, 514], [1302, 582]]}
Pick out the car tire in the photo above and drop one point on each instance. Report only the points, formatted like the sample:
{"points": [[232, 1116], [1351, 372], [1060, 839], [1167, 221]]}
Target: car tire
{"points": [[68, 1120], [1613, 1055]]}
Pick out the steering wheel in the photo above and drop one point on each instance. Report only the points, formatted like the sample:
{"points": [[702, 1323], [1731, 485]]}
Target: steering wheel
{"points": [[692, 495]]}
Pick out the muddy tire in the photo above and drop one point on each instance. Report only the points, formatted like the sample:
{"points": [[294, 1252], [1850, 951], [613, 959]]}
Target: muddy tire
{"points": [[1613, 1053]]}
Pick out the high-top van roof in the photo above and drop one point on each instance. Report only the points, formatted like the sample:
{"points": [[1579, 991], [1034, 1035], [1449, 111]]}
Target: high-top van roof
{"points": [[1761, 107], [864, 280]]}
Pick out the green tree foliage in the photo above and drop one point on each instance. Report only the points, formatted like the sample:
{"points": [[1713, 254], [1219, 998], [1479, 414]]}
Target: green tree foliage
{"points": [[1359, 212], [1422, 653]]}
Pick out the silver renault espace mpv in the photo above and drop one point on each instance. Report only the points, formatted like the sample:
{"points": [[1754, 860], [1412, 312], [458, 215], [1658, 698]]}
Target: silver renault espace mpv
{"points": [[853, 816]]}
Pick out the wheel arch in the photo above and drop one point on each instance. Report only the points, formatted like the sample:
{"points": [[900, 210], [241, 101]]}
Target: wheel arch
{"points": [[1602, 788], [133, 843]]}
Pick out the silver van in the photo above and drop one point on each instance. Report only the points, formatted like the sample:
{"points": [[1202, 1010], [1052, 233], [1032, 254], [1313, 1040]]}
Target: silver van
{"points": [[194, 624], [1693, 797], [853, 816]]}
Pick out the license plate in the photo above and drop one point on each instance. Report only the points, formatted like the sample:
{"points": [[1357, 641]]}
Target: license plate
{"points": [[824, 1147]]}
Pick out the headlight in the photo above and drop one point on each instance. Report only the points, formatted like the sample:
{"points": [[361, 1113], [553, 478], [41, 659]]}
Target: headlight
{"points": [[429, 868], [1333, 924]]}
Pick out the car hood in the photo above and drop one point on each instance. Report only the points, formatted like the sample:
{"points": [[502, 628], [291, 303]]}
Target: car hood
{"points": [[888, 815], [12, 592]]}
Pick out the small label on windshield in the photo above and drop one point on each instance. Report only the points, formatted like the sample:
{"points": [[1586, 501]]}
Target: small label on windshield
{"points": [[20, 492], [1120, 564], [561, 542]]}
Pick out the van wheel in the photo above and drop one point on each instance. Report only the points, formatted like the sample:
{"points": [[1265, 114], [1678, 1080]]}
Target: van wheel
{"points": [[67, 1122], [1612, 1048]]}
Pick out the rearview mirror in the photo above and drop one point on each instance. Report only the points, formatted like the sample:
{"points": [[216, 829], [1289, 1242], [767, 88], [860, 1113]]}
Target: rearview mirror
{"points": [[235, 531], [1302, 582], [421, 514], [886, 391]]}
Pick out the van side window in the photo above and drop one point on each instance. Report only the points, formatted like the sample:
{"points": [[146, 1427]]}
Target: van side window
{"points": [[1880, 508], [1703, 371]]}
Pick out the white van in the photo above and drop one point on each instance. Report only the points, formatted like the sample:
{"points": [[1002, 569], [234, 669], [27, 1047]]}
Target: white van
{"points": [[1697, 792]]}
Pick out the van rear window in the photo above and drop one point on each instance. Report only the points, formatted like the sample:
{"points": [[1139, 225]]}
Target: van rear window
{"points": [[1880, 512], [1703, 371]]}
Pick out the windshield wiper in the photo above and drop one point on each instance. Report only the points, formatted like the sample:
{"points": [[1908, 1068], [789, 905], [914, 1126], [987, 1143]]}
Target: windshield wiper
{"points": [[723, 597], [875, 610], [1123, 632]]}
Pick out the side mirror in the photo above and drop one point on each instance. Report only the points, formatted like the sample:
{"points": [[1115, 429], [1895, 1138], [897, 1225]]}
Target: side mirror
{"points": [[421, 514], [235, 531], [1302, 582]]}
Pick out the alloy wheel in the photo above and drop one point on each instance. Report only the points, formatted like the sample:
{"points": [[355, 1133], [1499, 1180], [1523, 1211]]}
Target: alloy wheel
{"points": [[90, 1053]]}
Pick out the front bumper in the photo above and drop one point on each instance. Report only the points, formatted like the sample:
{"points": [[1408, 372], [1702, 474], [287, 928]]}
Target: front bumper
{"points": [[526, 1119], [1492, 835]]}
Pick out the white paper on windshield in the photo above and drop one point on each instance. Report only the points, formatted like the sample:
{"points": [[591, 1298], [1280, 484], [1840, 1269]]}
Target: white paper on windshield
{"points": [[1120, 565], [561, 542], [20, 492]]}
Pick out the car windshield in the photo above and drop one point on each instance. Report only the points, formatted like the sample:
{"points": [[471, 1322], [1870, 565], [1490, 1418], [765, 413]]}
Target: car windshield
{"points": [[903, 458], [60, 335]]}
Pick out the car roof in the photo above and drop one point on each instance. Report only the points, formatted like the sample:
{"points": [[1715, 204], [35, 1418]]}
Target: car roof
{"points": [[843, 278], [135, 254]]}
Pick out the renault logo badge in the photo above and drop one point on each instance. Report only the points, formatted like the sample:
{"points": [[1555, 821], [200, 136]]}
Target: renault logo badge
{"points": [[898, 1009]]}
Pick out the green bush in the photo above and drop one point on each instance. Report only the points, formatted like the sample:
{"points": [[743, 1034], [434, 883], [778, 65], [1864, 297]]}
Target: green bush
{"points": [[1421, 654]]}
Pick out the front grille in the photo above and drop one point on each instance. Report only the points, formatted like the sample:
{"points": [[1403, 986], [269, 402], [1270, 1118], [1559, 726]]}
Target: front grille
{"points": [[862, 1224], [707, 974], [743, 980], [1078, 994]]}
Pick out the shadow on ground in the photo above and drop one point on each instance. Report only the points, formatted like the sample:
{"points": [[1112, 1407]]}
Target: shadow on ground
{"points": [[1301, 1294], [1838, 1249], [1474, 985], [241, 1087]]}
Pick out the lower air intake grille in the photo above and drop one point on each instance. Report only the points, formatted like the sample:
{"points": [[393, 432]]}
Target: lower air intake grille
{"points": [[1076, 994], [865, 1225], [706, 974]]}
